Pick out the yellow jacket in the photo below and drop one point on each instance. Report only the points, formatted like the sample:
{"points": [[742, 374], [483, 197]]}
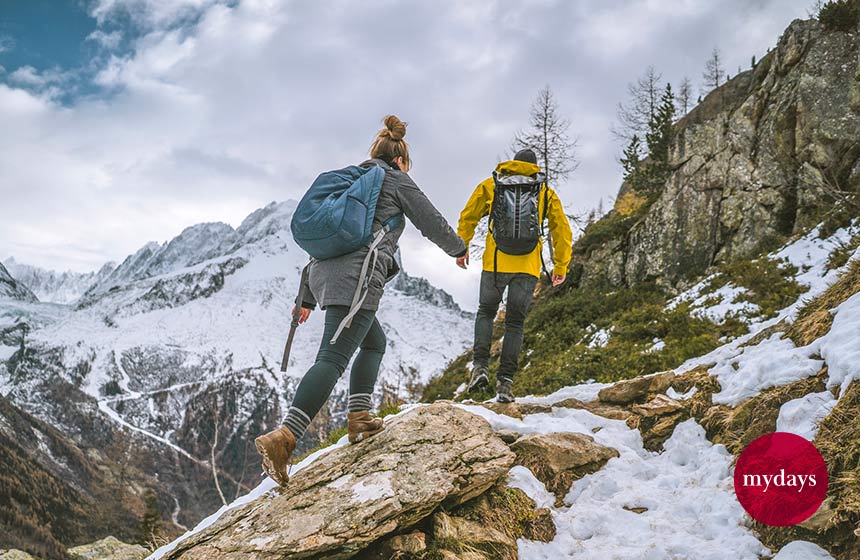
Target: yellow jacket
{"points": [[479, 206]]}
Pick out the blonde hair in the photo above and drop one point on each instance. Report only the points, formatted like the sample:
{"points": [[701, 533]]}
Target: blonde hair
{"points": [[389, 143]]}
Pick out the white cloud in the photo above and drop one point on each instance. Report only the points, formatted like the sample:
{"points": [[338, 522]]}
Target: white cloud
{"points": [[209, 120], [7, 43], [109, 40]]}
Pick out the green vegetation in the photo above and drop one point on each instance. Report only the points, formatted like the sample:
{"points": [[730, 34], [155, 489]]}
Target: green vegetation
{"points": [[840, 15], [559, 349], [769, 284], [840, 255]]}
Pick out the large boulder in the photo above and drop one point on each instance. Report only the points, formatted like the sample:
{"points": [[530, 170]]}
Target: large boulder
{"points": [[430, 456], [109, 548], [557, 459]]}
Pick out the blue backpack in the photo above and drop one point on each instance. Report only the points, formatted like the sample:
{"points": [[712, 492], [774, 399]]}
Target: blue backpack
{"points": [[335, 216]]}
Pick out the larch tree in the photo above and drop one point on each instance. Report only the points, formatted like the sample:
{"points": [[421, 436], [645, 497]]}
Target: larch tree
{"points": [[643, 98], [548, 135], [685, 96], [714, 73]]}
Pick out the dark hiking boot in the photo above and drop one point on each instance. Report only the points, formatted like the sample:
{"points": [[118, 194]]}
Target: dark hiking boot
{"points": [[479, 378], [361, 425], [277, 447], [504, 390]]}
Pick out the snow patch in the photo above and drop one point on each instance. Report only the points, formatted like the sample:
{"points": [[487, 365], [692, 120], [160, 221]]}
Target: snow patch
{"points": [[802, 550], [523, 478], [802, 416]]}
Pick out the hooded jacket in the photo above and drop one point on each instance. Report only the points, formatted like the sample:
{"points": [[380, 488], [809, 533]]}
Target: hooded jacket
{"points": [[479, 205]]}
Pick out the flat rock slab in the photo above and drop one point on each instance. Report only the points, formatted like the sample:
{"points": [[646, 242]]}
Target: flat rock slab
{"points": [[354, 495], [636, 389]]}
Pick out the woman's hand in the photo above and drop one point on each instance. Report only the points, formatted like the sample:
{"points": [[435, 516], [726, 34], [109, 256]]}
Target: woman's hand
{"points": [[557, 279], [304, 313], [463, 261]]}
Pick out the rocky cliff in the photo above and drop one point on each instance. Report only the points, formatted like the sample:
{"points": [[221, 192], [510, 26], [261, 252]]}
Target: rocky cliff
{"points": [[762, 158]]}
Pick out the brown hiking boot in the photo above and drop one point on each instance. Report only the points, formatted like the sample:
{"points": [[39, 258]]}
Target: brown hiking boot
{"points": [[361, 425], [277, 447]]}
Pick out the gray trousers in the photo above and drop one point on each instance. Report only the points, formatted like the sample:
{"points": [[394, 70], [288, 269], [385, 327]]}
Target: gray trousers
{"points": [[521, 289]]}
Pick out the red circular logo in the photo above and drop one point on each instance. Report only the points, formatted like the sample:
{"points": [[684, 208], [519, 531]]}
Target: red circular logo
{"points": [[780, 479]]}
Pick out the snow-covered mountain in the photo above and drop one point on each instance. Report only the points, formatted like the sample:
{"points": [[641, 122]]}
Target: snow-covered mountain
{"points": [[12, 289], [56, 287], [187, 335]]}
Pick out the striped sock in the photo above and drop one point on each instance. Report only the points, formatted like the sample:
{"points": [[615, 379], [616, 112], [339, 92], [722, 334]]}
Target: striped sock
{"points": [[359, 402], [297, 421]]}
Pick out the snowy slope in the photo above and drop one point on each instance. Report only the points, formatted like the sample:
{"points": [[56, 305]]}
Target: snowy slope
{"points": [[56, 287], [687, 489]]}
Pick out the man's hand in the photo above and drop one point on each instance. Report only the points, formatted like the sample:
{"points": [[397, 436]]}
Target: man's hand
{"points": [[463, 261], [304, 313], [557, 279]]}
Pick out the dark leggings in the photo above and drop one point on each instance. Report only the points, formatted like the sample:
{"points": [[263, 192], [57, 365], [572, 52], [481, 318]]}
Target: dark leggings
{"points": [[364, 334]]}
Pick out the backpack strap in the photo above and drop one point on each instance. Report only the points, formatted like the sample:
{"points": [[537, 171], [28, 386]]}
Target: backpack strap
{"points": [[545, 210], [364, 276]]}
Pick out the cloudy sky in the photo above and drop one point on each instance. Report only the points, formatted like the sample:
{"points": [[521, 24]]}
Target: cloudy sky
{"points": [[124, 121]]}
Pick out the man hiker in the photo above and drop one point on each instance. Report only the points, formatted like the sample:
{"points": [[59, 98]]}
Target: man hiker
{"points": [[517, 199]]}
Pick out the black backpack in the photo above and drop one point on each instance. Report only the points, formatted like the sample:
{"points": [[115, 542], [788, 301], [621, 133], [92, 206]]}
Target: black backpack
{"points": [[515, 222]]}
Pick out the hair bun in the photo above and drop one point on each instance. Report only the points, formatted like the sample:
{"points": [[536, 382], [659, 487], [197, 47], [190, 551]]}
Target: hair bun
{"points": [[395, 128]]}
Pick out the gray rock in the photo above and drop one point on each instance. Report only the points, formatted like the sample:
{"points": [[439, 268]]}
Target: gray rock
{"points": [[751, 163], [429, 456], [636, 389], [557, 459], [109, 548]]}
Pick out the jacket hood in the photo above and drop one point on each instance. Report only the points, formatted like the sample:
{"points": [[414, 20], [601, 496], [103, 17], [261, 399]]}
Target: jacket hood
{"points": [[516, 167]]}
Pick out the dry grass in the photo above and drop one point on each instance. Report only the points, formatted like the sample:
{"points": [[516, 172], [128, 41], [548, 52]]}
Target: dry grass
{"points": [[814, 318], [839, 442]]}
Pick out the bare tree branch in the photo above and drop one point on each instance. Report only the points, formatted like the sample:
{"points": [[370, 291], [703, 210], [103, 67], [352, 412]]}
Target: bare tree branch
{"points": [[548, 136]]}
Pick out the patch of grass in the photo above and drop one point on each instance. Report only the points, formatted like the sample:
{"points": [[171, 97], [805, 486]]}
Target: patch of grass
{"points": [[769, 284], [509, 510], [841, 253], [629, 209], [556, 351], [839, 442], [814, 318]]}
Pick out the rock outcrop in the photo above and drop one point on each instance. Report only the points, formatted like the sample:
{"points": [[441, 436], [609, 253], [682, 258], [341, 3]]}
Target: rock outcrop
{"points": [[430, 456], [752, 164], [109, 548], [557, 459]]}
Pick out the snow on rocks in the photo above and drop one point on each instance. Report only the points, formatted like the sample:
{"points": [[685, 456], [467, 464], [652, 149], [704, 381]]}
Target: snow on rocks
{"points": [[802, 550], [801, 416]]}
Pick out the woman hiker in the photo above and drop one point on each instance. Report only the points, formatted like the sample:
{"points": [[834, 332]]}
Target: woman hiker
{"points": [[332, 283]]}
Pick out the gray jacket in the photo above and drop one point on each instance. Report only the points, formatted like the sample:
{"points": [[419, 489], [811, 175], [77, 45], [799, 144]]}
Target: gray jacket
{"points": [[333, 281]]}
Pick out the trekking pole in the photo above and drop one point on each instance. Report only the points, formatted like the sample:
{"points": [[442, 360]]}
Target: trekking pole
{"points": [[294, 323]]}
